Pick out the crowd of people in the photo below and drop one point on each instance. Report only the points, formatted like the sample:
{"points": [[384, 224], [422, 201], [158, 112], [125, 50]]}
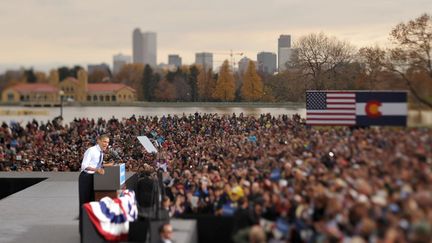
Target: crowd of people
{"points": [[278, 178]]}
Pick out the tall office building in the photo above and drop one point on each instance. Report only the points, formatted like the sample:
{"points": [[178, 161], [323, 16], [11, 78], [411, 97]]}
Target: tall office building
{"points": [[137, 47], [243, 64], [144, 47], [284, 51], [267, 62], [204, 59], [174, 60], [150, 48], [119, 61]]}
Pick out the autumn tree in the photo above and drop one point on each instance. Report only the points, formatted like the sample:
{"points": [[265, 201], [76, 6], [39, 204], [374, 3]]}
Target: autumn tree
{"points": [[252, 88], [165, 91], [412, 54], [193, 82], [225, 84], [130, 74], [320, 56], [41, 77], [98, 75], [206, 84]]}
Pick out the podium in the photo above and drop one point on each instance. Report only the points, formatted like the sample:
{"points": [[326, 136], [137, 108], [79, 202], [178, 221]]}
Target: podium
{"points": [[110, 183]]}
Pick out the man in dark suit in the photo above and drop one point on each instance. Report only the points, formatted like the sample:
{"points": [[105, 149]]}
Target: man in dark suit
{"points": [[165, 233]]}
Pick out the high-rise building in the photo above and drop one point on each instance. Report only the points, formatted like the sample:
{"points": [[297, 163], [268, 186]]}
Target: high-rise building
{"points": [[284, 41], [204, 59], [119, 61], [243, 64], [267, 62], [137, 47], [174, 60], [150, 48], [286, 56], [284, 51], [144, 47]]}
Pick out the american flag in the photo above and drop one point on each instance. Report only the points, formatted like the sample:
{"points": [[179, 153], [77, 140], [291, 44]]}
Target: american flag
{"points": [[111, 217], [330, 108]]}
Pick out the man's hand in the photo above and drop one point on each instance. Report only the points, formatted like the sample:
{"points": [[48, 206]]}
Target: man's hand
{"points": [[100, 171]]}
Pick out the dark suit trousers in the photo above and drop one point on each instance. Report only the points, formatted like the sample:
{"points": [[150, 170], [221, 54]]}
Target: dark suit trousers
{"points": [[86, 192]]}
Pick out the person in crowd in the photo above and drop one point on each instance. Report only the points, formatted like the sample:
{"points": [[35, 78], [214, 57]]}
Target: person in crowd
{"points": [[305, 183], [166, 233]]}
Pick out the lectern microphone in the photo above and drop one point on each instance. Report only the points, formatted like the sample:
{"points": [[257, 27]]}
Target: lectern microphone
{"points": [[114, 153]]}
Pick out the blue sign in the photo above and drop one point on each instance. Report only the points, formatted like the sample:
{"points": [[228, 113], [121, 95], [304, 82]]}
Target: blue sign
{"points": [[122, 174]]}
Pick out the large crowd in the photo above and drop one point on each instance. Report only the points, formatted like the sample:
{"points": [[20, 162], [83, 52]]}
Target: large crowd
{"points": [[280, 179]]}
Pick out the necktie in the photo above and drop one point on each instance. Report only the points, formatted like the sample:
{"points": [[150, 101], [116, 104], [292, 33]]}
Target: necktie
{"points": [[100, 160]]}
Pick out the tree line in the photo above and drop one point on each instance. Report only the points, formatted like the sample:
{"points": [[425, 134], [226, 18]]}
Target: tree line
{"points": [[319, 62]]}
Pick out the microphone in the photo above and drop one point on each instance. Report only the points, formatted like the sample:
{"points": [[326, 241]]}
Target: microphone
{"points": [[114, 153]]}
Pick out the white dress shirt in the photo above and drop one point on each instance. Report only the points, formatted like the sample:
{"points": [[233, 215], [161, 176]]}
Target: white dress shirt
{"points": [[92, 158]]}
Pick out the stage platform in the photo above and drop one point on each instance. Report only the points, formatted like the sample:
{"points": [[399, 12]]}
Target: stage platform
{"points": [[47, 211]]}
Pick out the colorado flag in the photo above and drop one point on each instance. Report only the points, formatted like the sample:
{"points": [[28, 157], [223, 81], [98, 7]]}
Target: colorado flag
{"points": [[381, 108]]}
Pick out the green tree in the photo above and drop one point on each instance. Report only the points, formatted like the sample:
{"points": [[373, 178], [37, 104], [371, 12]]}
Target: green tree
{"points": [[30, 76], [225, 84], [73, 72], [413, 54], [65, 72], [252, 88], [149, 81]]}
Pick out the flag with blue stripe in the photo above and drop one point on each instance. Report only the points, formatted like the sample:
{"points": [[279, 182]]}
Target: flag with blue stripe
{"points": [[381, 108]]}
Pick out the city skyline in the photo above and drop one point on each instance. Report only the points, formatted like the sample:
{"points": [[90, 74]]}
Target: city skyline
{"points": [[46, 34]]}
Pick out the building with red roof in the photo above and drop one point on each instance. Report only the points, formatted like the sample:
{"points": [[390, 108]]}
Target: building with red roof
{"points": [[70, 89], [35, 93]]}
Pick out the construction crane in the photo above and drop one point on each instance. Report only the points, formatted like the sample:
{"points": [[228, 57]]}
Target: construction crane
{"points": [[231, 54]]}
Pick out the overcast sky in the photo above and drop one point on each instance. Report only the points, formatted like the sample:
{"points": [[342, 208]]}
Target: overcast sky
{"points": [[46, 34]]}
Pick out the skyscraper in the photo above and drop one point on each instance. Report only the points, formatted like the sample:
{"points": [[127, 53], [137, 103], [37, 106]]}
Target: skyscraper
{"points": [[204, 59], [284, 51], [243, 64], [267, 62], [119, 61], [150, 48], [174, 60], [144, 47], [137, 47]]}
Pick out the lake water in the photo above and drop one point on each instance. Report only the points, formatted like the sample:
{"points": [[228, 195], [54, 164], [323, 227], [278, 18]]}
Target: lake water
{"points": [[24, 114]]}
